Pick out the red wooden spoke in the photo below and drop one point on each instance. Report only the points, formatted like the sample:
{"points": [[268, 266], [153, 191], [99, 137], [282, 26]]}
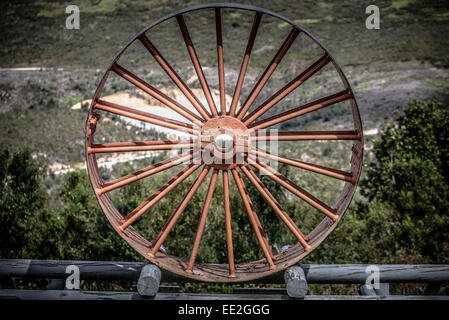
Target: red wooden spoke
{"points": [[257, 221], [221, 79], [299, 111], [155, 93], [334, 173], [256, 218], [227, 207], [143, 173], [196, 64], [177, 213], [308, 135], [259, 225], [276, 207], [174, 76], [241, 78], [268, 72], [143, 116], [158, 195], [287, 89], [254, 222], [140, 146], [295, 189], [202, 222]]}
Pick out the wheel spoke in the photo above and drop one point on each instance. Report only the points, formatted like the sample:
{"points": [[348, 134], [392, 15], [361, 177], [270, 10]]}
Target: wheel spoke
{"points": [[202, 222], [143, 173], [330, 172], [259, 225], [308, 135], [174, 76], [176, 214], [241, 78], [295, 189], [143, 116], [287, 89], [221, 78], [253, 220], [140, 146], [268, 72], [196, 64], [158, 195], [276, 207], [299, 111], [227, 207], [155, 93]]}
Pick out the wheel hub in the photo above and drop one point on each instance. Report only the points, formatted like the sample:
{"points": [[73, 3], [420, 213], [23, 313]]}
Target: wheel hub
{"points": [[224, 140]]}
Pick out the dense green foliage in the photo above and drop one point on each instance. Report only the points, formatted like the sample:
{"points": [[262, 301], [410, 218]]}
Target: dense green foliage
{"points": [[27, 226], [87, 234], [32, 228], [402, 217], [411, 175]]}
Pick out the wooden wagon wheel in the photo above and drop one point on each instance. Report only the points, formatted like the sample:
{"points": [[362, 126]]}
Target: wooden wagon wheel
{"points": [[228, 131]]}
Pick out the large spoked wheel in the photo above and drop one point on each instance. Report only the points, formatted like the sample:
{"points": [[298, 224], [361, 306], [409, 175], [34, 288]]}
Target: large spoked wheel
{"points": [[221, 138]]}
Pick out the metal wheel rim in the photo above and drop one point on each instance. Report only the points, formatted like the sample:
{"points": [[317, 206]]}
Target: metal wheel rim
{"points": [[214, 272]]}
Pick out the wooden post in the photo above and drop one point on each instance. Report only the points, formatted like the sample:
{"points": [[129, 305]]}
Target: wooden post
{"points": [[364, 290], [56, 284], [432, 289], [384, 290], [149, 280], [296, 282], [7, 283]]}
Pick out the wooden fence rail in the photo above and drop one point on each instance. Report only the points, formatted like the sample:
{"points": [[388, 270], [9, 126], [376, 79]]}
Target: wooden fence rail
{"points": [[315, 273], [296, 285]]}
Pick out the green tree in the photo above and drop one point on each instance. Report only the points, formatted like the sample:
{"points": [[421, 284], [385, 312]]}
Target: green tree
{"points": [[87, 234], [28, 229], [411, 175]]}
